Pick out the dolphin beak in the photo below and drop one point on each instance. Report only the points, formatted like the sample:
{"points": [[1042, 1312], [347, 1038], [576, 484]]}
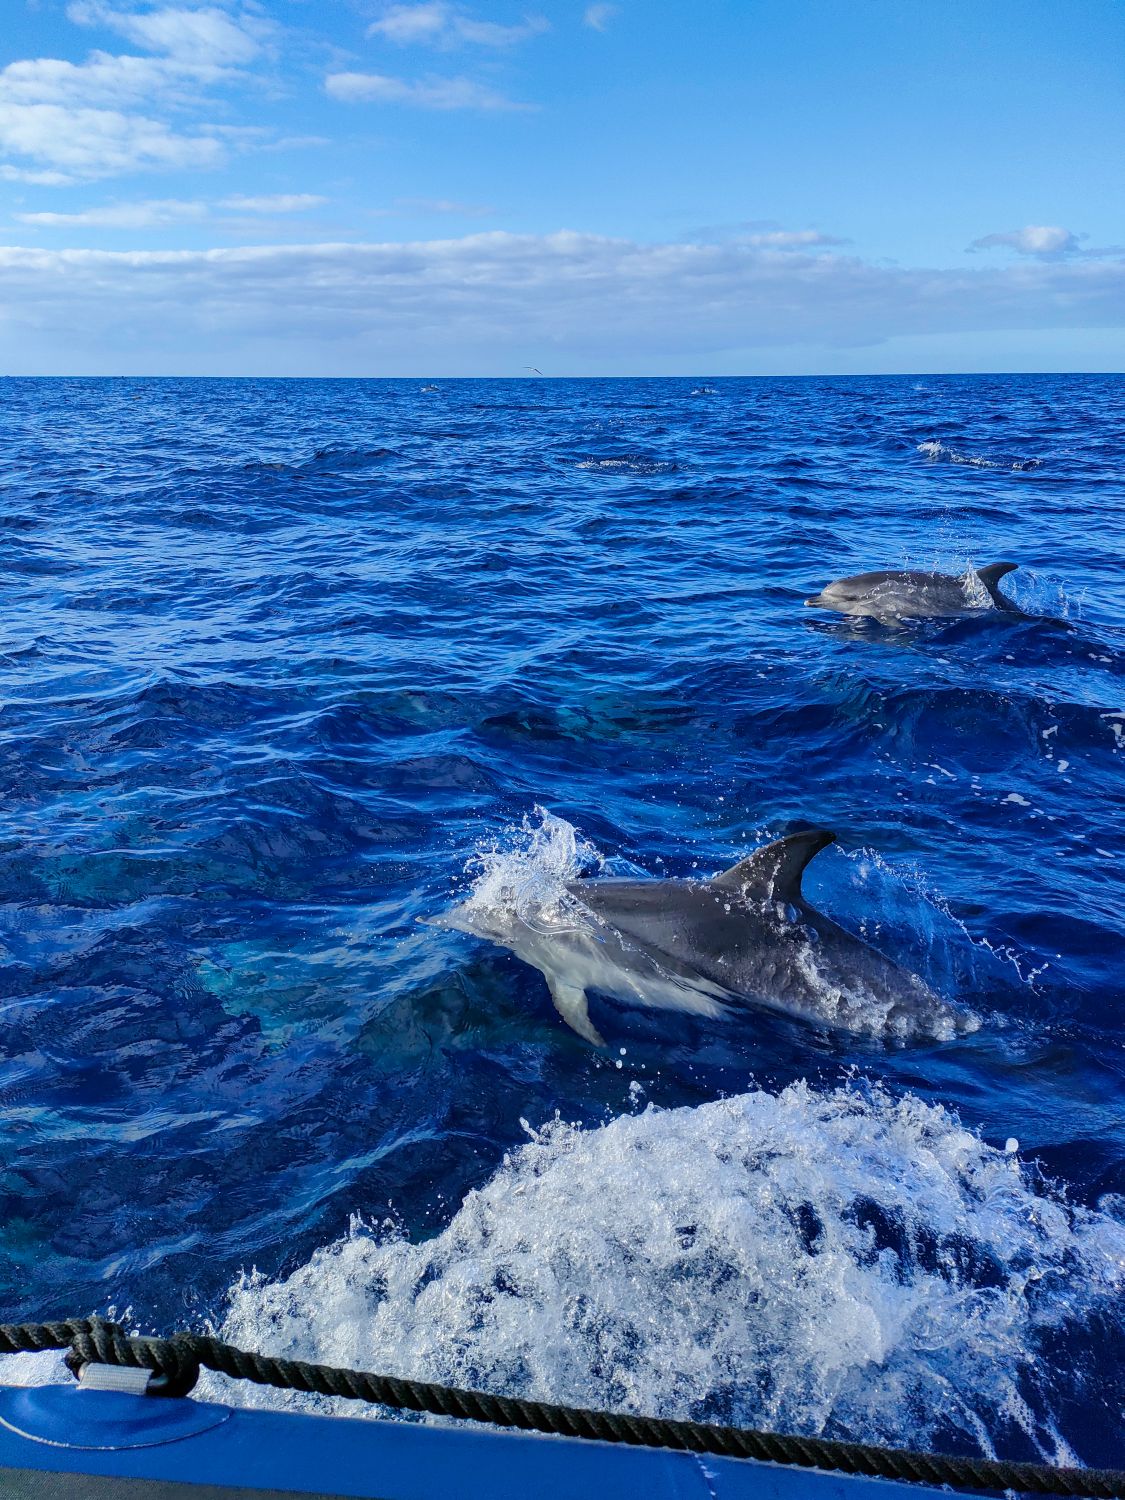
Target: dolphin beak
{"points": [[453, 920], [816, 602]]}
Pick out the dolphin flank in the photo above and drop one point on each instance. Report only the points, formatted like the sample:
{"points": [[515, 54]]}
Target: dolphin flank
{"points": [[906, 595], [707, 946]]}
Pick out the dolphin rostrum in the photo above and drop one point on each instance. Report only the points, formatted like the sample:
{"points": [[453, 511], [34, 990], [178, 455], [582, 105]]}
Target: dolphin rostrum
{"points": [[906, 596], [748, 934]]}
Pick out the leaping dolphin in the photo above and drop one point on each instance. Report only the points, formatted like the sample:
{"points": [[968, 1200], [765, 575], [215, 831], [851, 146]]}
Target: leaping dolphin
{"points": [[914, 596], [703, 946]]}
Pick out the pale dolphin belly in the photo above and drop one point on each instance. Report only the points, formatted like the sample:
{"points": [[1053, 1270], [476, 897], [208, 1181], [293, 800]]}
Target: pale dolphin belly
{"points": [[576, 962]]}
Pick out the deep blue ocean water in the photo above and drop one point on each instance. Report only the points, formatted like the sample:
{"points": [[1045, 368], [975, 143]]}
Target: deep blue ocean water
{"points": [[286, 664]]}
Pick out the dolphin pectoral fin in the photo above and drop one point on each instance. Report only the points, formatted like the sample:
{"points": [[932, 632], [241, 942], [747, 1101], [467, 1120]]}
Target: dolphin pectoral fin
{"points": [[570, 1002], [775, 871]]}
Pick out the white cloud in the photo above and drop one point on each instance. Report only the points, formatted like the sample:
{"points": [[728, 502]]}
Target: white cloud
{"points": [[88, 142], [492, 34], [103, 80], [39, 179], [443, 206], [145, 215], [434, 23], [598, 17], [203, 38], [1034, 239], [790, 239], [154, 213], [104, 116], [274, 203], [481, 301], [438, 24], [411, 23], [430, 93], [764, 234]]}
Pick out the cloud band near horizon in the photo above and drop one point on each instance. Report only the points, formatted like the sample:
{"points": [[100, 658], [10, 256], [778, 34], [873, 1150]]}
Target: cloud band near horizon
{"points": [[473, 304]]}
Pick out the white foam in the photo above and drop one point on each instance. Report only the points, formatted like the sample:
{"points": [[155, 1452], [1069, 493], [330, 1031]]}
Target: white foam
{"points": [[527, 872], [976, 594], [935, 450], [34, 1369], [842, 1262]]}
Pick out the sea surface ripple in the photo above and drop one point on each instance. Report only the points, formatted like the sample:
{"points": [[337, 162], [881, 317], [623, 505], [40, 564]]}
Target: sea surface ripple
{"points": [[286, 664]]}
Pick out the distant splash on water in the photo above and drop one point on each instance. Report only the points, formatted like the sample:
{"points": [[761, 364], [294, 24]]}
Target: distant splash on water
{"points": [[940, 452], [332, 458], [629, 463]]}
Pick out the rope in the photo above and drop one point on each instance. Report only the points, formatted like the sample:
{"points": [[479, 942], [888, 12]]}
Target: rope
{"points": [[176, 1362]]}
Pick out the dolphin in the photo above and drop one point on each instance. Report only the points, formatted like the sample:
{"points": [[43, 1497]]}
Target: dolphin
{"points": [[907, 596], [705, 946]]}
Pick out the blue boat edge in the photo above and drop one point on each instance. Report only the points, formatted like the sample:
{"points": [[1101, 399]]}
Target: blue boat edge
{"points": [[174, 1445]]}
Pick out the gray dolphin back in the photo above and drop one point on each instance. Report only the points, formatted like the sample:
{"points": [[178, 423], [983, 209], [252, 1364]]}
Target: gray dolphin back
{"points": [[772, 873]]}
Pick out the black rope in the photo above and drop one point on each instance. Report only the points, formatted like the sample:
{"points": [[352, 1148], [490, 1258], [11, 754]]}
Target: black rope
{"points": [[176, 1362]]}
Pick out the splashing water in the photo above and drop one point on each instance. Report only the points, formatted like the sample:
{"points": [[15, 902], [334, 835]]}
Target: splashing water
{"points": [[525, 872], [976, 595], [842, 1263]]}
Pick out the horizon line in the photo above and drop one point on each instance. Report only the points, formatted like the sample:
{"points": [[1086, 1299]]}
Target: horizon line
{"points": [[531, 379]]}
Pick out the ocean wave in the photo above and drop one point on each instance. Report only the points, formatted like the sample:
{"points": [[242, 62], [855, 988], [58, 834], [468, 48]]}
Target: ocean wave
{"points": [[332, 458]]}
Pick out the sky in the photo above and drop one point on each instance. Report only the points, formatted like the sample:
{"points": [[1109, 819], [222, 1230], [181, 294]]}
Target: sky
{"points": [[429, 188]]}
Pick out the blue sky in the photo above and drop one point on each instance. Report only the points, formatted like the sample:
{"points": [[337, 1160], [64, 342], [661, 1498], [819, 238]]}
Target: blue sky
{"points": [[731, 186]]}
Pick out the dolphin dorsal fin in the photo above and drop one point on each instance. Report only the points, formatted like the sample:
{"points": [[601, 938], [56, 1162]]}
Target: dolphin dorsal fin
{"points": [[776, 869], [991, 576]]}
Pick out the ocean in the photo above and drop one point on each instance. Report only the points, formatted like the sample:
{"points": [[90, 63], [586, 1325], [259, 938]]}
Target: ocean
{"points": [[289, 666]]}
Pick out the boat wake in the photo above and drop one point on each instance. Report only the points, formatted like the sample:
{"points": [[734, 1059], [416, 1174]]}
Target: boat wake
{"points": [[843, 1263]]}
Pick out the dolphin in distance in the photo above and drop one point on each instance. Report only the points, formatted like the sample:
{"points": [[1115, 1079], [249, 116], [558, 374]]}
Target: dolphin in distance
{"points": [[747, 936], [890, 596]]}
